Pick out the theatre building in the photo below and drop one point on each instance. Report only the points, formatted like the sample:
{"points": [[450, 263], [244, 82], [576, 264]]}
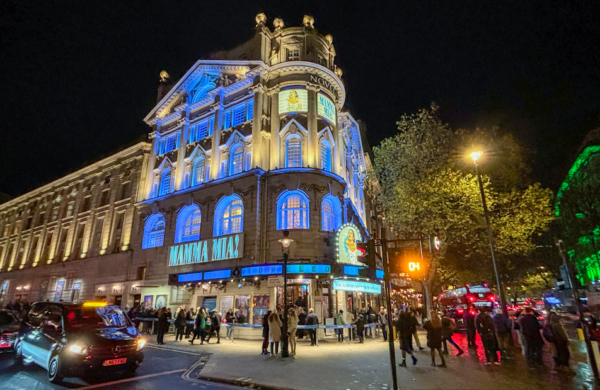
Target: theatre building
{"points": [[247, 144]]}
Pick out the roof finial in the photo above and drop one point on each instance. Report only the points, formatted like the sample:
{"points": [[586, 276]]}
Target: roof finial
{"points": [[164, 76], [308, 21], [261, 19]]}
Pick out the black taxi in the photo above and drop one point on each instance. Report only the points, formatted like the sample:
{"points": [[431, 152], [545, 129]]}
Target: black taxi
{"points": [[68, 339]]}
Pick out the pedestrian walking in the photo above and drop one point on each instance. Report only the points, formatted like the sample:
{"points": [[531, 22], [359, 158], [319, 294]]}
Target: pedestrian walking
{"points": [[215, 326], [199, 326], [274, 332], [503, 328], [312, 319], [414, 326], [360, 327], [404, 330], [434, 337], [448, 328], [229, 320], [485, 327], [162, 325], [292, 328], [265, 333], [180, 325], [340, 321], [189, 327], [530, 329], [555, 334], [382, 319], [469, 319]]}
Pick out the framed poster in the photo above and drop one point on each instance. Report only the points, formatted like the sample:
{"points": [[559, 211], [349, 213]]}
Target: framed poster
{"points": [[147, 302], [161, 301], [260, 307], [326, 108], [346, 249], [293, 100], [242, 308], [59, 289], [225, 304]]}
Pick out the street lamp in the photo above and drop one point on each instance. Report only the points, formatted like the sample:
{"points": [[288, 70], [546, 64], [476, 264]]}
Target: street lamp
{"points": [[285, 243], [475, 156]]}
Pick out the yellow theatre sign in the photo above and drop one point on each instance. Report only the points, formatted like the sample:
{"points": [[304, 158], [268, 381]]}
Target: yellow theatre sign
{"points": [[214, 249]]}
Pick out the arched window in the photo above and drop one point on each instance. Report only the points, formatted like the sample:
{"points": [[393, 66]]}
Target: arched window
{"points": [[154, 231], [293, 152], [198, 173], [188, 224], [292, 210], [229, 216], [325, 155], [165, 182], [237, 159], [331, 213]]}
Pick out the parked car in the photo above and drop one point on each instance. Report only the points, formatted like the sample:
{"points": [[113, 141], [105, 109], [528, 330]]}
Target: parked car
{"points": [[9, 329], [68, 339]]}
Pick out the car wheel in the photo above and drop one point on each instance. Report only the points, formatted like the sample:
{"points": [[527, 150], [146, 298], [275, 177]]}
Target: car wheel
{"points": [[54, 370]]}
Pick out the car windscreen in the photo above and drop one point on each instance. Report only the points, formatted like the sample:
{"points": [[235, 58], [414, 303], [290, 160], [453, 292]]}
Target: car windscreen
{"points": [[6, 319], [96, 317]]}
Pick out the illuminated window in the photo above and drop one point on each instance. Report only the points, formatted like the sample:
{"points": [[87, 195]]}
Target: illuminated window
{"points": [[325, 155], [168, 144], [154, 231], [292, 210], [237, 159], [198, 172], [293, 151], [189, 221], [229, 216], [293, 55], [250, 110], [165, 182], [331, 213], [239, 115]]}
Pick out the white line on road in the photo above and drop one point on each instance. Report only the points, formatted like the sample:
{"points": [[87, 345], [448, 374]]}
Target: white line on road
{"points": [[130, 379]]}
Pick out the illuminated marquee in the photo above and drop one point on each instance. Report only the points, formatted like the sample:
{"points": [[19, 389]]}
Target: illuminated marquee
{"points": [[351, 285], [293, 100], [345, 245], [326, 108], [220, 248]]}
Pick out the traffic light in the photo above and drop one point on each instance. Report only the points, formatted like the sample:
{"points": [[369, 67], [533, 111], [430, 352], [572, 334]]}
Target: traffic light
{"points": [[362, 249], [407, 261]]}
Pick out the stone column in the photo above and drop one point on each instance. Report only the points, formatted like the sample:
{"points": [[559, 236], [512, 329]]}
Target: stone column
{"points": [[215, 154], [146, 193], [183, 137], [258, 152], [312, 143], [275, 128]]}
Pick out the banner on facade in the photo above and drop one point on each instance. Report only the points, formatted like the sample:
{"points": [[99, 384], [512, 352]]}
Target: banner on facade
{"points": [[351, 285], [293, 100], [346, 250], [214, 249], [326, 108]]}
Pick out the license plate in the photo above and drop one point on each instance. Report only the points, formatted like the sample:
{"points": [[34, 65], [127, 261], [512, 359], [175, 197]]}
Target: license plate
{"points": [[114, 362], [5, 345]]}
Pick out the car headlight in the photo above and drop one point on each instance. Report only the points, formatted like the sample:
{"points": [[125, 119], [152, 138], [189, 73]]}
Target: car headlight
{"points": [[78, 349], [141, 343]]}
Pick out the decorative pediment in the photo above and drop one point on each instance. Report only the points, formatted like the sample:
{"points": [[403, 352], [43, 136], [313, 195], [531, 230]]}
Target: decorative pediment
{"points": [[166, 163], [293, 127], [197, 152]]}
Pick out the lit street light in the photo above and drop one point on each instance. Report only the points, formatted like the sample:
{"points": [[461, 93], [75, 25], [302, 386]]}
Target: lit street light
{"points": [[285, 243], [475, 156]]}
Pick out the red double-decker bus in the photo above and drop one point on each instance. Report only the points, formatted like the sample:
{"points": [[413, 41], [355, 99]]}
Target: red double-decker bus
{"points": [[469, 297]]}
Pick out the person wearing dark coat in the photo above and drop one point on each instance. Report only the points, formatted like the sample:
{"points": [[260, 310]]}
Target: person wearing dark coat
{"points": [[229, 317], [469, 319], [530, 329], [404, 329], [448, 327], [301, 321], [555, 334], [312, 319], [413, 329], [265, 333], [485, 327], [215, 326], [180, 325], [162, 325], [359, 321], [434, 336]]}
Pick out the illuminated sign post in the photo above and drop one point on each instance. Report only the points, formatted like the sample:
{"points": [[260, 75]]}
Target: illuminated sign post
{"points": [[214, 249], [346, 247], [326, 108], [351, 285]]}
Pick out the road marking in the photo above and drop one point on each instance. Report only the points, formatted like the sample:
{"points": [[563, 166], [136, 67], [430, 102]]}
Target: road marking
{"points": [[175, 350], [131, 379]]}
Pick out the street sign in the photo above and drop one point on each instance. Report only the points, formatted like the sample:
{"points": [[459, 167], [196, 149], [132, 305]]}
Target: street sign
{"points": [[436, 243], [275, 281]]}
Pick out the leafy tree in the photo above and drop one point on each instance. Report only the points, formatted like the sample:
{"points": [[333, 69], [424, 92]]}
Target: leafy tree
{"points": [[427, 187]]}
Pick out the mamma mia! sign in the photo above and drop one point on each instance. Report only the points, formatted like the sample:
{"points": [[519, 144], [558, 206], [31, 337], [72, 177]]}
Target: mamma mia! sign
{"points": [[220, 248]]}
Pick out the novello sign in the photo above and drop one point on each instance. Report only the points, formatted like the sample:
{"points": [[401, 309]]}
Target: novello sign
{"points": [[214, 249]]}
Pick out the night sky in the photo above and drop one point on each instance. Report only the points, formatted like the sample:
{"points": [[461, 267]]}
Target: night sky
{"points": [[77, 78]]}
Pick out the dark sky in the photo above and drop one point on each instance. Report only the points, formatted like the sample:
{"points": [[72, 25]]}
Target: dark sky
{"points": [[77, 77]]}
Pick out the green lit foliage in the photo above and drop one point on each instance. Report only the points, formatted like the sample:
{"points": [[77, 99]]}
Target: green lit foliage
{"points": [[427, 186], [578, 211]]}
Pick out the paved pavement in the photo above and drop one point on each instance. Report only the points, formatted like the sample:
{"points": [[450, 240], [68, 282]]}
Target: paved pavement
{"points": [[365, 366]]}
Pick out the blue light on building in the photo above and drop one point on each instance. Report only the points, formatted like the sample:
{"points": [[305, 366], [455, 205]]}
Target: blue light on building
{"points": [[308, 269], [379, 274], [351, 270], [222, 274], [195, 277], [263, 270]]}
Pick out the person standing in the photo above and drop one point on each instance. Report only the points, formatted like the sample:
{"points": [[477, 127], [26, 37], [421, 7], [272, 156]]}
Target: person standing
{"points": [[530, 329], [312, 319], [503, 328], [200, 325], [360, 327], [301, 321], [162, 325], [448, 328], [265, 333], [292, 328], [180, 325], [434, 337], [274, 332], [469, 319], [404, 330], [382, 318], [554, 333], [340, 321], [189, 317], [414, 326], [215, 326], [485, 327], [229, 320]]}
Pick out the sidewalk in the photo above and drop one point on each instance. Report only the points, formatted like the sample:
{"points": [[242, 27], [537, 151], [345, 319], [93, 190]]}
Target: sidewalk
{"points": [[366, 366]]}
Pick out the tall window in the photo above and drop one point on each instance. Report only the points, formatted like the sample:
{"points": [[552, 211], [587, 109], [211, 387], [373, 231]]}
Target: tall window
{"points": [[237, 159], [229, 216], [169, 143], [198, 172], [154, 231], [325, 155], [293, 54], [201, 130], [239, 115], [293, 151], [292, 210], [165, 182], [331, 213], [188, 224]]}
